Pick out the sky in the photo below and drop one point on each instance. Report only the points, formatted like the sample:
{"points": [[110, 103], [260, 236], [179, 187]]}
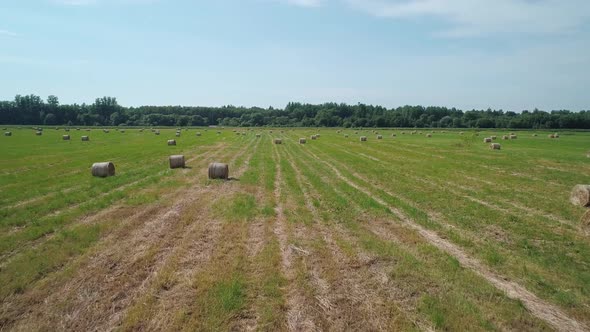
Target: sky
{"points": [[502, 54]]}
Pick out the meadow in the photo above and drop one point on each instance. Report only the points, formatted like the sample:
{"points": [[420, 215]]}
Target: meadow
{"points": [[407, 232]]}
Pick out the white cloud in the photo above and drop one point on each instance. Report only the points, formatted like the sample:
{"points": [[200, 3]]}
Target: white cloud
{"points": [[7, 33], [304, 3], [480, 17]]}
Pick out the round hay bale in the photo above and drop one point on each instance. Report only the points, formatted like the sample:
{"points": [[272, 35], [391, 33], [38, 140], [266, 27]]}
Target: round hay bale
{"points": [[461, 133], [85, 138], [356, 132], [487, 140], [39, 133], [585, 222], [313, 137], [535, 135], [67, 129], [122, 131], [513, 137], [551, 136], [171, 142], [428, 135], [495, 146], [346, 136], [66, 137], [177, 134], [278, 141], [556, 135], [494, 138], [8, 133], [379, 136], [403, 132], [317, 135], [103, 169], [176, 161], [393, 135], [218, 171], [157, 132], [504, 137], [270, 131], [363, 138], [257, 135], [581, 195], [198, 134], [302, 141], [218, 133]]}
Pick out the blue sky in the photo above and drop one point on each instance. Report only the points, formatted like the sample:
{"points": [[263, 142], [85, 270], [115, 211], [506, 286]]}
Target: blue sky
{"points": [[508, 54]]}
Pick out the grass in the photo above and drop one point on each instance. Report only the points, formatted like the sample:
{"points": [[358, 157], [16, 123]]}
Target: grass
{"points": [[231, 264]]}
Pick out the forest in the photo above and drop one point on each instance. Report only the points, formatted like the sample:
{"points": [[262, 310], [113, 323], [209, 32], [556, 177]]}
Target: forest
{"points": [[106, 111]]}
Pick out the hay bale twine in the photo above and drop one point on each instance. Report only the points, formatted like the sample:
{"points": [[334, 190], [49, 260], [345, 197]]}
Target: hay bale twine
{"points": [[487, 140], [302, 141], [495, 146], [505, 137], [176, 161], [278, 141], [379, 136], [363, 138], [513, 137], [103, 169], [218, 171], [581, 195], [85, 138], [39, 133], [66, 137], [8, 133], [171, 142]]}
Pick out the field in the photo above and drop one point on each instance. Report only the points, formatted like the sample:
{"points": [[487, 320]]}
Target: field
{"points": [[403, 233]]}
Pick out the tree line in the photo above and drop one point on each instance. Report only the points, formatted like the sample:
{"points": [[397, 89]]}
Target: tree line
{"points": [[105, 111]]}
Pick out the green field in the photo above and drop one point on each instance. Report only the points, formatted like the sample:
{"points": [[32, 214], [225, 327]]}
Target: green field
{"points": [[404, 233]]}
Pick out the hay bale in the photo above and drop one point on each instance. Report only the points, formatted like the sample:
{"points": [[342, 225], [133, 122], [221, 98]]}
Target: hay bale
{"points": [[403, 132], [379, 136], [171, 142], [157, 132], [313, 137], [257, 135], [302, 141], [513, 137], [494, 138], [66, 137], [585, 222], [278, 141], [495, 146], [345, 136], [428, 135], [556, 135], [85, 138], [581, 195], [67, 129], [535, 135], [177, 134], [551, 136], [393, 135], [8, 133], [176, 161], [39, 133], [487, 140], [504, 137], [103, 169], [218, 133], [198, 134], [461, 133], [317, 135], [356, 132], [363, 138], [218, 171]]}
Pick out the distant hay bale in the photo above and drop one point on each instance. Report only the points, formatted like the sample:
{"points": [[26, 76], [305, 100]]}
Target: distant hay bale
{"points": [[278, 141], [270, 131], [122, 131], [495, 146], [176, 161], [414, 132], [67, 129], [513, 137], [141, 130], [393, 135], [103, 169], [339, 131], [8, 133], [356, 132], [581, 195], [198, 134], [218, 133], [379, 136], [218, 171], [78, 129], [363, 138], [487, 140], [505, 137], [428, 135], [302, 141], [494, 138], [177, 134], [85, 138], [171, 142], [66, 137], [535, 135], [106, 131], [39, 133], [345, 136], [317, 135], [313, 137], [556, 135], [403, 132], [257, 135], [551, 136], [461, 133]]}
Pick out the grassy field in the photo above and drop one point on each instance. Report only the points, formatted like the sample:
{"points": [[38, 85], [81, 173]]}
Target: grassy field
{"points": [[404, 233]]}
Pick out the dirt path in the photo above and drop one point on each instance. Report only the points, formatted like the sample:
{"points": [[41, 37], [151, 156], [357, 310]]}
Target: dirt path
{"points": [[538, 307]]}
